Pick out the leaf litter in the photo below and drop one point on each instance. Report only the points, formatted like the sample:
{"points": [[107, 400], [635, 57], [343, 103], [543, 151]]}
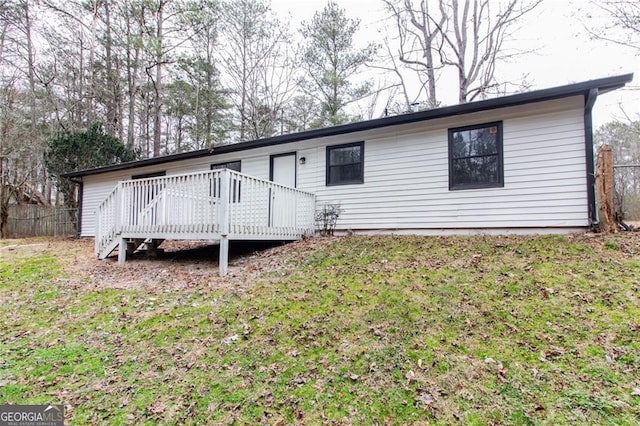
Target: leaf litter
{"points": [[457, 338]]}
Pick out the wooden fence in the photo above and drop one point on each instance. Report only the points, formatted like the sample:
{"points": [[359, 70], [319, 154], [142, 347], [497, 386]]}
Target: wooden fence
{"points": [[32, 220]]}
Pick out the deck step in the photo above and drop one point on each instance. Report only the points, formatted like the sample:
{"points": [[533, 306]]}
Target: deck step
{"points": [[148, 245], [108, 248]]}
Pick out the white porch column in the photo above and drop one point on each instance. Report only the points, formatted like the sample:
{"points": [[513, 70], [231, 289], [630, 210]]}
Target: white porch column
{"points": [[223, 261], [224, 256]]}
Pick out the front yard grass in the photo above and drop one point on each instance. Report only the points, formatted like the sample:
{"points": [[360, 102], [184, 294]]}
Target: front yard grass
{"points": [[357, 330]]}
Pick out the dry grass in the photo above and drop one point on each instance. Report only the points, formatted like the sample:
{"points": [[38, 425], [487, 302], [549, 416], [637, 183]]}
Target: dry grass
{"points": [[373, 330]]}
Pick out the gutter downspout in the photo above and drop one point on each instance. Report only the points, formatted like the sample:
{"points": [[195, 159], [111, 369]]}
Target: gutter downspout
{"points": [[590, 99]]}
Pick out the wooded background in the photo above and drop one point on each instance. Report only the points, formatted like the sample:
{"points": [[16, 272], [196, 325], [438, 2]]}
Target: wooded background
{"points": [[157, 77]]}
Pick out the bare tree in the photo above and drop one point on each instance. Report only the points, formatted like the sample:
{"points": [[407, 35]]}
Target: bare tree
{"points": [[256, 62], [623, 27], [205, 121], [157, 81], [624, 139], [477, 41], [77, 24], [19, 162], [466, 37], [277, 88], [417, 42], [131, 35], [111, 93], [21, 124]]}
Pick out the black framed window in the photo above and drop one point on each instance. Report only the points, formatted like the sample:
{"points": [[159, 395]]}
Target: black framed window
{"points": [[147, 193], [345, 164], [231, 165], [149, 175], [475, 156], [235, 185]]}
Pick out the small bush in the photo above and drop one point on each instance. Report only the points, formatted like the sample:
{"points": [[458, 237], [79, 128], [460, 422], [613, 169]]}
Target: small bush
{"points": [[327, 218]]}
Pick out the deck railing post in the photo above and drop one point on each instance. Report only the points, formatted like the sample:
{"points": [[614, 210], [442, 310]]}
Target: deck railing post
{"points": [[99, 233], [225, 177], [118, 209]]}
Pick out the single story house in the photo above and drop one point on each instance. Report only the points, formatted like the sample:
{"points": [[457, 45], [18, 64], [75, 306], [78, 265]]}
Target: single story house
{"points": [[520, 163]]}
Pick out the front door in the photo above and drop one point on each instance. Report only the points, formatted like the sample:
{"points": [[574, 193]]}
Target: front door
{"points": [[283, 169]]}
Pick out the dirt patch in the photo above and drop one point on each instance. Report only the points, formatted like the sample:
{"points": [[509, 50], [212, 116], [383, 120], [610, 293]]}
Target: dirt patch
{"points": [[184, 265], [13, 247], [193, 265]]}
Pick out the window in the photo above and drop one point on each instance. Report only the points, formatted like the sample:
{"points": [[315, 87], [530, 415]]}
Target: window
{"points": [[475, 156], [231, 165], [147, 192], [235, 184], [345, 164], [149, 175]]}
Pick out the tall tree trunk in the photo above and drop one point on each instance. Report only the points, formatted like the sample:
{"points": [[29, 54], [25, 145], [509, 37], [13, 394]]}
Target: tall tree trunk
{"points": [[4, 199], [3, 37], [157, 105], [78, 89], [112, 127], [34, 142], [4, 211], [4, 180], [91, 89], [243, 105], [119, 101], [209, 114], [31, 74], [147, 124], [48, 187], [132, 81]]}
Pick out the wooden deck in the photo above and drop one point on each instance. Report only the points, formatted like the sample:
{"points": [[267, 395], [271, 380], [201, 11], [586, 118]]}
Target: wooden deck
{"points": [[215, 205]]}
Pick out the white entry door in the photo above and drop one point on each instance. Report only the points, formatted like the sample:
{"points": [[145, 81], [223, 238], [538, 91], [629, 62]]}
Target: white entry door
{"points": [[282, 208], [283, 169]]}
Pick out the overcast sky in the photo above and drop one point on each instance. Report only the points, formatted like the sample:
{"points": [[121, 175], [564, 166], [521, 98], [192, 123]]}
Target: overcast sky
{"points": [[564, 51]]}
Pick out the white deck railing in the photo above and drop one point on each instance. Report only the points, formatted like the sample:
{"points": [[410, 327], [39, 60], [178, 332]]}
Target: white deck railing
{"points": [[205, 205], [107, 227]]}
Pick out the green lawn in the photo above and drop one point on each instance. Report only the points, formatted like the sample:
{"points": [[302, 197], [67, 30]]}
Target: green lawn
{"points": [[356, 330]]}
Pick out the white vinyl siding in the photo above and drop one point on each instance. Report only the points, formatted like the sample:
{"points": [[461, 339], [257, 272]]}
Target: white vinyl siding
{"points": [[406, 180], [406, 183]]}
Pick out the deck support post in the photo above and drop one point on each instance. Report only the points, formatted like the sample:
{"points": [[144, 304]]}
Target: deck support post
{"points": [[224, 256], [225, 197], [122, 251]]}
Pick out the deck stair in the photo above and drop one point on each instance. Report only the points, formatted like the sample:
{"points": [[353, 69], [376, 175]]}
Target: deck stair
{"points": [[133, 245]]}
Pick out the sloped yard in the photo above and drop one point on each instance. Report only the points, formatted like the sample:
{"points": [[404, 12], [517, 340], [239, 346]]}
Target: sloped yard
{"points": [[353, 330]]}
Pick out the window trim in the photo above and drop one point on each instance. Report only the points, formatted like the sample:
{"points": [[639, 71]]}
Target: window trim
{"points": [[329, 148], [500, 153], [235, 189], [160, 173], [223, 165], [293, 154]]}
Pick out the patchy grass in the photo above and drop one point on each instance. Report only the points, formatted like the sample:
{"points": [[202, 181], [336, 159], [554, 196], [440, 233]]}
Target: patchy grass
{"points": [[371, 330]]}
